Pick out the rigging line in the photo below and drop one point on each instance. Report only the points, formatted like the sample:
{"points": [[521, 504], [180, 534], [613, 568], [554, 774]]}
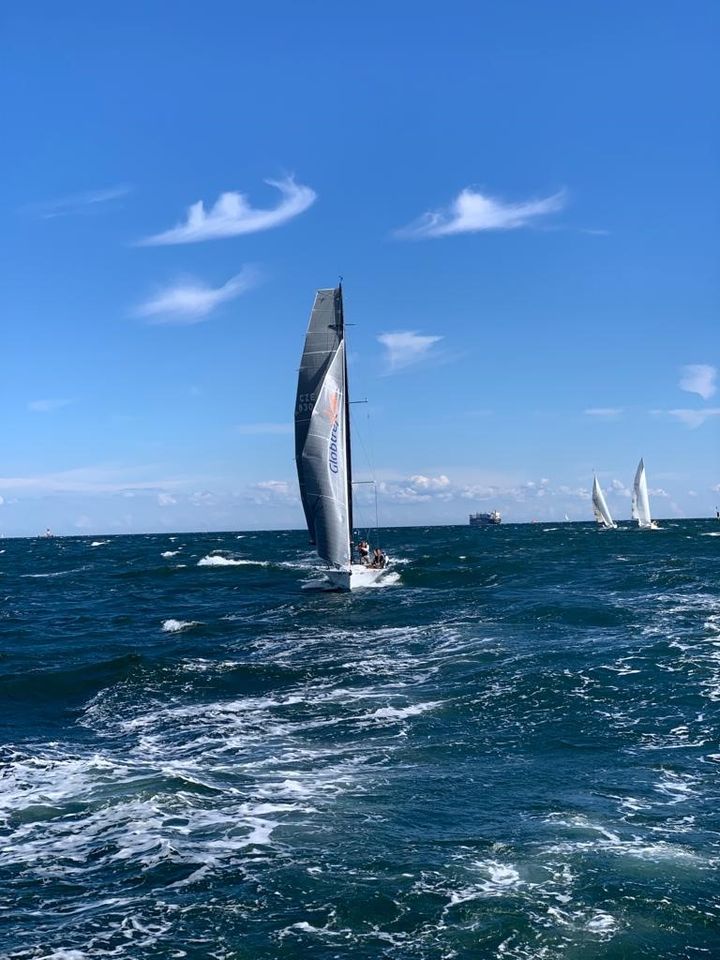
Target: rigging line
{"points": [[371, 460], [359, 437]]}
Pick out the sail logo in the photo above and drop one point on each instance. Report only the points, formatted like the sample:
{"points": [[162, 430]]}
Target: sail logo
{"points": [[332, 413]]}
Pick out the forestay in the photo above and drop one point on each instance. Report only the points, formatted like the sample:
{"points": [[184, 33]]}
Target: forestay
{"points": [[321, 441]]}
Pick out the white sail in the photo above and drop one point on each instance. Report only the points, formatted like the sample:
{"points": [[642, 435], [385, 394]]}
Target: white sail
{"points": [[600, 507], [640, 499]]}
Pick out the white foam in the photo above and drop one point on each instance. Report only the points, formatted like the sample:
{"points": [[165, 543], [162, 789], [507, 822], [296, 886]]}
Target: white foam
{"points": [[175, 626], [99, 543], [601, 922], [388, 580], [58, 573], [169, 553], [402, 713], [215, 560]]}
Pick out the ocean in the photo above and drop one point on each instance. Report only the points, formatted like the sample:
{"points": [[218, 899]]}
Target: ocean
{"points": [[511, 749]]}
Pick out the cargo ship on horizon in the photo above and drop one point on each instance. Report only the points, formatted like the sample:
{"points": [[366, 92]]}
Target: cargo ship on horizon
{"points": [[485, 519]]}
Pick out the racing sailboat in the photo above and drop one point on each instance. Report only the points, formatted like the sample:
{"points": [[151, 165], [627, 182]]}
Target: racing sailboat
{"points": [[641, 501], [322, 444], [600, 507]]}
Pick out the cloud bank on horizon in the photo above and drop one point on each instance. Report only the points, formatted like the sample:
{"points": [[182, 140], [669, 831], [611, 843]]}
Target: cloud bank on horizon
{"points": [[232, 215]]}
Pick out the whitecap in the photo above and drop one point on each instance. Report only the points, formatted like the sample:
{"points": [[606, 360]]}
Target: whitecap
{"points": [[601, 922], [175, 626], [214, 560], [169, 553]]}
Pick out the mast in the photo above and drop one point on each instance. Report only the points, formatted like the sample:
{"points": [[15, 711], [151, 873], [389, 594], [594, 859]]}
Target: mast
{"points": [[340, 321]]}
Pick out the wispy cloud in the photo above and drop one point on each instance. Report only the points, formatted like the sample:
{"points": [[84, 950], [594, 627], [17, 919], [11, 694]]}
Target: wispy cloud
{"points": [[94, 479], [472, 211], [604, 413], [406, 347], [192, 301], [232, 215], [47, 406], [699, 378], [90, 200], [262, 429], [694, 418]]}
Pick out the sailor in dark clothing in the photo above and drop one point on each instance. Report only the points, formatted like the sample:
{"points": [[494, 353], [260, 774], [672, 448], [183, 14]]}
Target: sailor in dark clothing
{"points": [[379, 560], [364, 551]]}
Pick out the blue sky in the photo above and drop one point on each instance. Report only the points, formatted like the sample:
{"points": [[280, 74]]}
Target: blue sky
{"points": [[522, 199]]}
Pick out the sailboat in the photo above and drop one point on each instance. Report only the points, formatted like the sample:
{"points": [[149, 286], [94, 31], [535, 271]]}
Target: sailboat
{"points": [[600, 507], [322, 445], [641, 501]]}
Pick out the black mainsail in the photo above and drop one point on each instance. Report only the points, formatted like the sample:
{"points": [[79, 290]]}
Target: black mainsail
{"points": [[322, 432]]}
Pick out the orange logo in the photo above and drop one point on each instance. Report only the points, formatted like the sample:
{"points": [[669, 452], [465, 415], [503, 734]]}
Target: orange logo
{"points": [[333, 407]]}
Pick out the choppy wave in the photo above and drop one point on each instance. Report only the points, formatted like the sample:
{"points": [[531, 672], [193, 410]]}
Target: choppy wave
{"points": [[510, 755]]}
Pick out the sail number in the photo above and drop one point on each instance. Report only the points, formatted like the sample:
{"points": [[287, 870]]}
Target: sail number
{"points": [[305, 403]]}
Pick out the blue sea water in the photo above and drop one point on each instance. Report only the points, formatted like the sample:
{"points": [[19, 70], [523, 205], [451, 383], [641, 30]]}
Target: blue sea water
{"points": [[509, 750]]}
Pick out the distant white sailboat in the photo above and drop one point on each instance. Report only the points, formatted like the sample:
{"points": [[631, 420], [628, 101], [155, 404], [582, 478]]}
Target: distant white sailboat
{"points": [[322, 445], [600, 507], [641, 501]]}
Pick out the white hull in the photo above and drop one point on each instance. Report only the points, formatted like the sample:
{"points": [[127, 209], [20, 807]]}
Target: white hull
{"points": [[357, 577]]}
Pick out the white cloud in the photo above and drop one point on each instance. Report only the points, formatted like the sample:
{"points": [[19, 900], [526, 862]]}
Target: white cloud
{"points": [[2, 501], [617, 486], [78, 202], [430, 483], [405, 347], [421, 489], [166, 500], [273, 491], [232, 215], [262, 429], [203, 498], [699, 378], [47, 406], [694, 418], [604, 413], [472, 211], [191, 301]]}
